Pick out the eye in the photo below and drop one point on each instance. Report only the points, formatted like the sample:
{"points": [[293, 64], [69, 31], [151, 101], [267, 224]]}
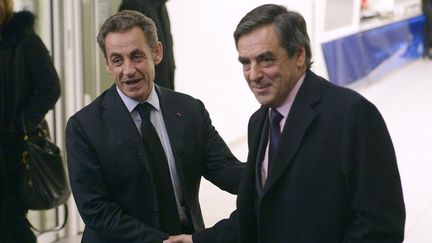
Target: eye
{"points": [[266, 61], [116, 61], [245, 63], [138, 57]]}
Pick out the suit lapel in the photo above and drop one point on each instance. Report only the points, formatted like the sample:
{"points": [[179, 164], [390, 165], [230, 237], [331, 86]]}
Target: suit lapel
{"points": [[174, 122], [120, 123], [262, 142], [299, 120]]}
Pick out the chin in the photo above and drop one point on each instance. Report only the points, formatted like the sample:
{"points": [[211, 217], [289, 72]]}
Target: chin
{"points": [[263, 101]]}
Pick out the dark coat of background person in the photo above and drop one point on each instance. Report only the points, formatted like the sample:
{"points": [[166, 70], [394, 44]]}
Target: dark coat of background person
{"points": [[109, 166], [29, 85], [334, 177], [427, 12], [157, 11]]}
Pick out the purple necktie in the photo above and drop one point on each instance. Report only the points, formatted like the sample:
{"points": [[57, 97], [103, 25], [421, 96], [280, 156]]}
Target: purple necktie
{"points": [[275, 132]]}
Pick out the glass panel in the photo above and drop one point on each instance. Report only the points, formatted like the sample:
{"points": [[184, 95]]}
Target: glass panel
{"points": [[96, 78], [88, 50], [105, 9]]}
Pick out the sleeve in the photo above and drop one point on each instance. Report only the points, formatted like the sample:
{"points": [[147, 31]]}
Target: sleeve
{"points": [[92, 194], [43, 78], [224, 231], [221, 167], [373, 181]]}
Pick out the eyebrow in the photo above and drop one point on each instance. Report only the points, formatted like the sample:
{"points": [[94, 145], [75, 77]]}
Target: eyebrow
{"points": [[261, 56], [265, 55], [114, 54], [242, 59], [138, 51], [131, 52]]}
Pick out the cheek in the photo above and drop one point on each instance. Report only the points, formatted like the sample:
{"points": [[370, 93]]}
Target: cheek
{"points": [[116, 73], [246, 77]]}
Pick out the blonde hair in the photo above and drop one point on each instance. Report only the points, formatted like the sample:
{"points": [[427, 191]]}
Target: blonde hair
{"points": [[6, 10]]}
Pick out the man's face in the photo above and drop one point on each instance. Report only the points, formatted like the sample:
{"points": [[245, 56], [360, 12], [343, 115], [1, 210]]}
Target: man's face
{"points": [[269, 71], [131, 62]]}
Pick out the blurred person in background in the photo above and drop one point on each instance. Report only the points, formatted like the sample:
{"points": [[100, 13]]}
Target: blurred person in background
{"points": [[29, 87], [427, 39]]}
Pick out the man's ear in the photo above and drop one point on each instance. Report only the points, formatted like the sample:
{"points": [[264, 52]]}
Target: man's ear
{"points": [[158, 53], [301, 56], [107, 66]]}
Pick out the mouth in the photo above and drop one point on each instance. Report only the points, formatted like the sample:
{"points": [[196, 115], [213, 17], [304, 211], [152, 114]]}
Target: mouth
{"points": [[131, 81], [261, 88]]}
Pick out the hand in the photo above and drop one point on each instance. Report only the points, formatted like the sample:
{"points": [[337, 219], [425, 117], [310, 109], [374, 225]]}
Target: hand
{"points": [[179, 239]]}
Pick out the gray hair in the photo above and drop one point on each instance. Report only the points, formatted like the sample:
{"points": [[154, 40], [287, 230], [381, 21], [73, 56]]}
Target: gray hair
{"points": [[290, 28], [124, 21]]}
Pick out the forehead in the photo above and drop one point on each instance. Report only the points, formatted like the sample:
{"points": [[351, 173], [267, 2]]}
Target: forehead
{"points": [[262, 39], [119, 42]]}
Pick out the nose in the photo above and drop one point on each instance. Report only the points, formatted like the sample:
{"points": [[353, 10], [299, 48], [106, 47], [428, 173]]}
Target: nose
{"points": [[129, 69], [255, 73]]}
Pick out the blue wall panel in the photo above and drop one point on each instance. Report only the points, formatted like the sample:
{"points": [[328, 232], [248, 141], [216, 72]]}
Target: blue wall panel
{"points": [[377, 50]]}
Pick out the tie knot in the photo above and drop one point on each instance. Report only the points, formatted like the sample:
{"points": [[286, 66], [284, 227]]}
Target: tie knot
{"points": [[144, 110], [275, 116]]}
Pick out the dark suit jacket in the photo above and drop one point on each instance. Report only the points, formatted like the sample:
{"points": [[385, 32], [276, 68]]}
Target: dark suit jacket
{"points": [[334, 177], [157, 11], [110, 172]]}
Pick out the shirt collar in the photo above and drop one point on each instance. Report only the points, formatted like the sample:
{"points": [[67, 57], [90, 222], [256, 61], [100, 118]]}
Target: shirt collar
{"points": [[286, 105], [130, 103]]}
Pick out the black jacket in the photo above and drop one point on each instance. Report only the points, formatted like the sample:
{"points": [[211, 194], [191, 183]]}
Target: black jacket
{"points": [[334, 177], [110, 169], [29, 83]]}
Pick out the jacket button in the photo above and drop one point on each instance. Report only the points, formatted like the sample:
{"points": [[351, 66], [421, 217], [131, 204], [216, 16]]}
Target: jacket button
{"points": [[155, 212]]}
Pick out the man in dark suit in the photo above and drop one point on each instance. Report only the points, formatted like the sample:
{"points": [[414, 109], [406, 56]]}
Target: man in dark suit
{"points": [[125, 190], [157, 11], [321, 164]]}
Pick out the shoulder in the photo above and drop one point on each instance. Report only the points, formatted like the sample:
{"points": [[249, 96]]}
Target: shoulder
{"points": [[332, 94], [20, 25], [175, 98], [338, 103], [92, 111], [173, 101]]}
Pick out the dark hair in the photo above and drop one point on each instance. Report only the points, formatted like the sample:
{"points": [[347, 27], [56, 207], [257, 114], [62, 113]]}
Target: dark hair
{"points": [[124, 21], [290, 27]]}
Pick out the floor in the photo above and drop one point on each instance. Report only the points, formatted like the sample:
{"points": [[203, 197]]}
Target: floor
{"points": [[405, 100]]}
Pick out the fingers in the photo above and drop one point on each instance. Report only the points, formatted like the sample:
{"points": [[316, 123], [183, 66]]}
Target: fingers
{"points": [[179, 239]]}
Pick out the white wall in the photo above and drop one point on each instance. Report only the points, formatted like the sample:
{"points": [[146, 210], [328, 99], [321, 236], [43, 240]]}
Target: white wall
{"points": [[206, 58]]}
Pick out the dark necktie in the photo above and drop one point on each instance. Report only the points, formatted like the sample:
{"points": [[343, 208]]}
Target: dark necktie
{"points": [[274, 127], [168, 213], [275, 132]]}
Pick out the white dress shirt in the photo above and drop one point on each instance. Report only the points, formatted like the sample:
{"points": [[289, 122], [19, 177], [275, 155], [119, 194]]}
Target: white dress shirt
{"points": [[158, 122]]}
